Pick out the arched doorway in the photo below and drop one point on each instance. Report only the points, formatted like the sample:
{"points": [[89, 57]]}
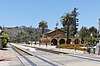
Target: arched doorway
{"points": [[82, 41], [54, 41], [68, 41], [77, 41], [62, 41]]}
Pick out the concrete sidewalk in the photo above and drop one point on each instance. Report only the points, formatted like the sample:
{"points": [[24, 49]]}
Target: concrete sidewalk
{"points": [[8, 57]]}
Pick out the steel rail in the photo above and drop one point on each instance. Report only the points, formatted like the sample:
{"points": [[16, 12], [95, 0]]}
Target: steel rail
{"points": [[33, 64], [29, 61]]}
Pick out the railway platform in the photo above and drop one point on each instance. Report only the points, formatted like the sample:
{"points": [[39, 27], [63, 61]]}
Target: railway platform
{"points": [[68, 51], [8, 57]]}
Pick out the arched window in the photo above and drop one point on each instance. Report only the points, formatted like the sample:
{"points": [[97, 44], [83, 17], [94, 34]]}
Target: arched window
{"points": [[54, 41], [62, 41], [68, 41], [77, 41]]}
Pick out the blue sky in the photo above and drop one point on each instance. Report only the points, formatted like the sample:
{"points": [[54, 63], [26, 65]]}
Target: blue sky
{"points": [[31, 12]]}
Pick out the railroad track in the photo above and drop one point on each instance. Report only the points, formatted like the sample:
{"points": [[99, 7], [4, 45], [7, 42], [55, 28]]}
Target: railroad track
{"points": [[97, 59], [49, 60], [23, 56], [27, 58]]}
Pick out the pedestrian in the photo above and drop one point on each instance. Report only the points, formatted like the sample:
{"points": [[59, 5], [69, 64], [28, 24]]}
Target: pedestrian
{"points": [[94, 50], [35, 43], [51, 44], [88, 50], [46, 44]]}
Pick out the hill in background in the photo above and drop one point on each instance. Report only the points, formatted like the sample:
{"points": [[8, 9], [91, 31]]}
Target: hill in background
{"points": [[29, 32]]}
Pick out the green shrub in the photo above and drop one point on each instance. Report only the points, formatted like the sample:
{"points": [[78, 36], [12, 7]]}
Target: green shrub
{"points": [[5, 39]]}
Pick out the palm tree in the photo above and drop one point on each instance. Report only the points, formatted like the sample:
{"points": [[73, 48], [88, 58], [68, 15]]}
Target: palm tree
{"points": [[43, 25], [67, 21]]}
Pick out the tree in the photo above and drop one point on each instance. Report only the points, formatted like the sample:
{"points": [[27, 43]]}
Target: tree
{"points": [[66, 21], [5, 39], [21, 37], [83, 33], [69, 22], [90, 40], [43, 25], [57, 25], [74, 25], [93, 31]]}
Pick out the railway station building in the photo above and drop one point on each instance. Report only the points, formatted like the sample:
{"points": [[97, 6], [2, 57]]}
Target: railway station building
{"points": [[57, 37]]}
